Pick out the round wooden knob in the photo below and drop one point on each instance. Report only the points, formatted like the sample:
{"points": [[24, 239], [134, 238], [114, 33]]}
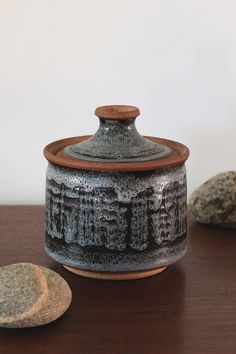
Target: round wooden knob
{"points": [[117, 112]]}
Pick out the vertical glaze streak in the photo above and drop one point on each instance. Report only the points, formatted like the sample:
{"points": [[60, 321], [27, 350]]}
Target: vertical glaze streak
{"points": [[149, 213]]}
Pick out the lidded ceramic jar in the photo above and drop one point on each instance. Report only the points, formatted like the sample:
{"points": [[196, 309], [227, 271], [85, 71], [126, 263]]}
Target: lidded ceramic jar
{"points": [[116, 201]]}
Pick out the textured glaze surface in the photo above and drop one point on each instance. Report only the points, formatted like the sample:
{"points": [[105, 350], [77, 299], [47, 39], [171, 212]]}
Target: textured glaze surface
{"points": [[117, 140], [108, 221], [54, 153]]}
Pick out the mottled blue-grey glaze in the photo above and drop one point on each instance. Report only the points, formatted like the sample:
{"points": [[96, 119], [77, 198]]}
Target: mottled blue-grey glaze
{"points": [[117, 141], [106, 221]]}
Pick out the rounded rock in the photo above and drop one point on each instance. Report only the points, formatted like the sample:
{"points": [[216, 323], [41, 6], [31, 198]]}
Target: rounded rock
{"points": [[214, 202], [31, 295]]}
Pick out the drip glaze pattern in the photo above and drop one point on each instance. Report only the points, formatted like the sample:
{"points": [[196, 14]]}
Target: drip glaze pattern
{"points": [[106, 221]]}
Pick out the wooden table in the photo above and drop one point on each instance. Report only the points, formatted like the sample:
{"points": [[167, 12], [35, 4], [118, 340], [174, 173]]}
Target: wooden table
{"points": [[189, 308]]}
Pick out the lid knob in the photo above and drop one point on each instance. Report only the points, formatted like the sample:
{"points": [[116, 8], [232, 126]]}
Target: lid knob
{"points": [[117, 139], [117, 112]]}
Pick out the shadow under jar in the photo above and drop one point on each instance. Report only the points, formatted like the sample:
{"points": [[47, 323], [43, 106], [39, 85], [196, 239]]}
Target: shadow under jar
{"points": [[116, 201]]}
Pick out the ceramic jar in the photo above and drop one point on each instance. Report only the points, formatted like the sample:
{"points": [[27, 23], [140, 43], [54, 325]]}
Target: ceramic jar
{"points": [[116, 201]]}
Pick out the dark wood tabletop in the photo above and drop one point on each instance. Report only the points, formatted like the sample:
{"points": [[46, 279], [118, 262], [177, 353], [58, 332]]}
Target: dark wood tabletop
{"points": [[188, 308]]}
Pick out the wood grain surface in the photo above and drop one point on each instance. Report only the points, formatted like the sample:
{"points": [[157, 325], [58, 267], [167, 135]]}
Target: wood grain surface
{"points": [[188, 308]]}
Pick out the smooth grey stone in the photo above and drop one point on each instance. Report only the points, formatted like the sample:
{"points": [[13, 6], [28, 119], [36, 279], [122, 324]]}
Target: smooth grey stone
{"points": [[214, 202], [31, 295]]}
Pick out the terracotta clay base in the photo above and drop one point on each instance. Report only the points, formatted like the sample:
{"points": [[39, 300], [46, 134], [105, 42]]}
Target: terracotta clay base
{"points": [[115, 276]]}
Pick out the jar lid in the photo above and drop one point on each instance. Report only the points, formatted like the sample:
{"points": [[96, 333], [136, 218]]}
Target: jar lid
{"points": [[116, 146]]}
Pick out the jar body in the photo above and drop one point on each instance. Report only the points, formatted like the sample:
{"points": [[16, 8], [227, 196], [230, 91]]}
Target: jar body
{"points": [[116, 221]]}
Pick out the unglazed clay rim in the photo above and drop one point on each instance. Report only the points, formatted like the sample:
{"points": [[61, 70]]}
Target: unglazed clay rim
{"points": [[115, 275], [53, 152], [121, 112]]}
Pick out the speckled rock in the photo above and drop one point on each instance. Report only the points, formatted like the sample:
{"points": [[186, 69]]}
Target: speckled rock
{"points": [[214, 202], [31, 295]]}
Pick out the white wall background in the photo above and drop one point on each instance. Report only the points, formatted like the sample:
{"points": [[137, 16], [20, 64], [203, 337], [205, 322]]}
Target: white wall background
{"points": [[175, 60]]}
